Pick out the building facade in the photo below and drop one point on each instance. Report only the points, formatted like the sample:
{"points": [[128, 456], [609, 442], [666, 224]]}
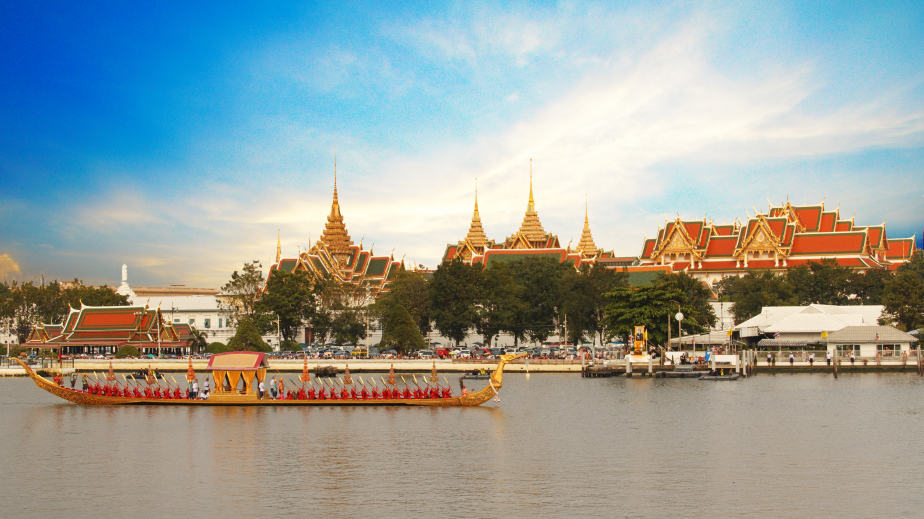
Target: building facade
{"points": [[783, 237]]}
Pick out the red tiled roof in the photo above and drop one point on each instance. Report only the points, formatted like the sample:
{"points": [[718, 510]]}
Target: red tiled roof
{"points": [[809, 216], [828, 243], [828, 218], [721, 246], [648, 248], [724, 230], [901, 248], [843, 225]]}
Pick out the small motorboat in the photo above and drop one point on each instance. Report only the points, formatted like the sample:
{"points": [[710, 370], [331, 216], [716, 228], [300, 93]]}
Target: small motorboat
{"points": [[730, 376]]}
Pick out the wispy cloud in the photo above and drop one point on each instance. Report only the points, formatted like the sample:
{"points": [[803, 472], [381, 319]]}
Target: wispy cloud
{"points": [[8, 266]]}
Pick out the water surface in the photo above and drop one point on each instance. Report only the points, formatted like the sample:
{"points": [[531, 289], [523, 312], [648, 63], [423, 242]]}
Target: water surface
{"points": [[555, 446]]}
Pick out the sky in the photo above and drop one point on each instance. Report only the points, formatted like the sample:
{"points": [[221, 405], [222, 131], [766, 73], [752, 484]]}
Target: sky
{"points": [[179, 138]]}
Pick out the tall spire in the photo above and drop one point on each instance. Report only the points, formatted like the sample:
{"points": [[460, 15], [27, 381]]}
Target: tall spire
{"points": [[278, 245], [335, 236], [531, 227], [476, 236], [586, 247]]}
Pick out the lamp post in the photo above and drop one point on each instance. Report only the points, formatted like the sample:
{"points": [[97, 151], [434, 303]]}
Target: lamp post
{"points": [[679, 317]]}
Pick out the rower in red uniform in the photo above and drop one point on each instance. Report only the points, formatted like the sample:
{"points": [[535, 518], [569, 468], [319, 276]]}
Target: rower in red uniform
{"points": [[301, 393], [364, 393], [136, 392], [375, 392], [407, 393], [447, 393], [148, 393], [176, 393], [343, 393], [353, 393]]}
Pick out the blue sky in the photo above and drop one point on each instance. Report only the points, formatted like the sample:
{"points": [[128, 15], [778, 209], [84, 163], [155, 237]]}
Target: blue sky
{"points": [[178, 138]]}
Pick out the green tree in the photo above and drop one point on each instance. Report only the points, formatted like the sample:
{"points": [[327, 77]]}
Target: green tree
{"points": [[247, 337], [498, 301], [651, 306], [410, 290], [288, 345], [400, 331], [539, 279], [348, 326], [453, 295], [241, 295], [868, 287], [197, 341], [127, 351], [903, 296], [292, 298], [217, 347], [753, 291], [823, 282], [584, 298]]}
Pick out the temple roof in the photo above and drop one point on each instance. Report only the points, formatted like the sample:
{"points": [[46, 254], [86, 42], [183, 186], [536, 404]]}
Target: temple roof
{"points": [[531, 227], [476, 235], [335, 236], [586, 246]]}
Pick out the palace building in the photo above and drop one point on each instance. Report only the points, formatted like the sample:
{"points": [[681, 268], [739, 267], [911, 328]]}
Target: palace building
{"points": [[336, 256], [785, 236], [530, 240]]}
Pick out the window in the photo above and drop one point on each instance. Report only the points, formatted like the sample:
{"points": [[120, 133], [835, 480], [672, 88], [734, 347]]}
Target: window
{"points": [[845, 349], [888, 350], [207, 323], [192, 322], [219, 322], [176, 319]]}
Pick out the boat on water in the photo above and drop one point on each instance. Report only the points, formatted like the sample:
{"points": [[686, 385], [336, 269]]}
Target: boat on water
{"points": [[235, 377], [729, 376]]}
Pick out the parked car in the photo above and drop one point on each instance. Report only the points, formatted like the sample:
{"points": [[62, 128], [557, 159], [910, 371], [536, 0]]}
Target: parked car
{"points": [[426, 354]]}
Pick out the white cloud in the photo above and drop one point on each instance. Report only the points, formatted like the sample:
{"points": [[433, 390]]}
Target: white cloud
{"points": [[616, 136], [8, 266]]}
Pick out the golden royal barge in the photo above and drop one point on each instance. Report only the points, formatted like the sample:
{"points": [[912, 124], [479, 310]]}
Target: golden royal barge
{"points": [[235, 377]]}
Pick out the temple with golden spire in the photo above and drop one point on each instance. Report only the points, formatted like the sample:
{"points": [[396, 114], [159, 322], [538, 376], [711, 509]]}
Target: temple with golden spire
{"points": [[335, 255], [530, 240]]}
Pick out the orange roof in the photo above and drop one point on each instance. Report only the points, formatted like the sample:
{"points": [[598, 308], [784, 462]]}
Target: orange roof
{"points": [[901, 248], [843, 225], [648, 248], [828, 218], [828, 243], [721, 246], [809, 216]]}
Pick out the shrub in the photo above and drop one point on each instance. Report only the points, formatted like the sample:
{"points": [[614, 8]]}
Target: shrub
{"points": [[127, 351], [216, 347]]}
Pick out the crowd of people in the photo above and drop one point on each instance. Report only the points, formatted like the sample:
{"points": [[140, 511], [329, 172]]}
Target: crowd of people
{"points": [[330, 390]]}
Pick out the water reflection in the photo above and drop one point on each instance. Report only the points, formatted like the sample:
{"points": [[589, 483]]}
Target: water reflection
{"points": [[556, 445]]}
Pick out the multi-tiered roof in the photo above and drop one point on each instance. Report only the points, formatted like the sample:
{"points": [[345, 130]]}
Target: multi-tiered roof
{"points": [[784, 236], [334, 255], [531, 239], [115, 326]]}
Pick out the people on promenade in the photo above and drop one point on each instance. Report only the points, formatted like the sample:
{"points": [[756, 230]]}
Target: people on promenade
{"points": [[812, 359], [852, 357], [828, 358], [792, 358], [769, 357]]}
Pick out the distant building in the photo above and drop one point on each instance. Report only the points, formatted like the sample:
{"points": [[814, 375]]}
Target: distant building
{"points": [[785, 236], [782, 327], [197, 308], [870, 341], [530, 240], [334, 255]]}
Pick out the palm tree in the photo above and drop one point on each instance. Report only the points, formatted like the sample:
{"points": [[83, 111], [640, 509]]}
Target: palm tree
{"points": [[197, 341]]}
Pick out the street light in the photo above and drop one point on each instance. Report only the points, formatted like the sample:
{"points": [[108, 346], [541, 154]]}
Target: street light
{"points": [[679, 317]]}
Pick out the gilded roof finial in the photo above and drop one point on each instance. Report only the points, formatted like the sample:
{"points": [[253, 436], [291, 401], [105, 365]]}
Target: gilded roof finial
{"points": [[278, 245], [531, 202]]}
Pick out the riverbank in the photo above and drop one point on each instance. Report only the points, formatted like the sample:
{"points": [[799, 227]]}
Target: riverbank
{"points": [[449, 366]]}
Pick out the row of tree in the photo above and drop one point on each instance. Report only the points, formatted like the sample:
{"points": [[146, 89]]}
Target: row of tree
{"points": [[23, 305], [825, 282], [535, 298]]}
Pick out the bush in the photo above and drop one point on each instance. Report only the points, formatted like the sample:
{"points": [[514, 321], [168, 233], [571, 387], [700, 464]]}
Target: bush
{"points": [[127, 351], [217, 347], [247, 338], [290, 345]]}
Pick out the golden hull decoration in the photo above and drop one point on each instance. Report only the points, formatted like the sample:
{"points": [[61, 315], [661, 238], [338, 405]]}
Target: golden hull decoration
{"points": [[468, 400]]}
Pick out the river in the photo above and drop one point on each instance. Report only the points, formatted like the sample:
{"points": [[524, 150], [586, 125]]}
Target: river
{"points": [[555, 446]]}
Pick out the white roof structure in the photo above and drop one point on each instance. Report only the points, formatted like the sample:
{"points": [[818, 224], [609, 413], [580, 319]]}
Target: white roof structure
{"points": [[812, 318], [195, 303]]}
